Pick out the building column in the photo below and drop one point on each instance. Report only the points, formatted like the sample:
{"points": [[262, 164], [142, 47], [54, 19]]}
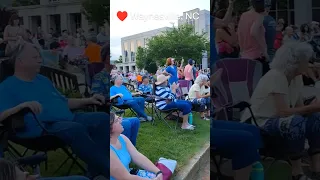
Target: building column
{"points": [[44, 23], [26, 23], [302, 11], [84, 23], [64, 21]]}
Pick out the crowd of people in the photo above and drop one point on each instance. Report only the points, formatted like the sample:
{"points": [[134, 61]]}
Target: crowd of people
{"points": [[277, 102]]}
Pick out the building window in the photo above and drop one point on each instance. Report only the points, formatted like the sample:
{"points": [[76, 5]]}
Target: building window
{"points": [[54, 1], [283, 10], [316, 15], [126, 52], [315, 3]]}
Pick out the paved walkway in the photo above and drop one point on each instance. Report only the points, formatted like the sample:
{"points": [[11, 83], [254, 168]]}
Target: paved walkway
{"points": [[204, 173]]}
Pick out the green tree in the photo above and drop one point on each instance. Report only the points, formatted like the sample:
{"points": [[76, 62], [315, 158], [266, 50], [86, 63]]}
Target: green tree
{"points": [[178, 43], [141, 57], [97, 11]]}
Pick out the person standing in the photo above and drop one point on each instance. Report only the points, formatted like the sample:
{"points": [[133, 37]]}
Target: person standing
{"points": [[270, 26], [12, 33], [251, 34]]}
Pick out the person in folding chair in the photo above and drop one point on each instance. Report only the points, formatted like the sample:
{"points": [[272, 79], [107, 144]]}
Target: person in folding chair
{"points": [[9, 171], [166, 100], [125, 97], [198, 97], [145, 87], [83, 132], [278, 106], [101, 85]]}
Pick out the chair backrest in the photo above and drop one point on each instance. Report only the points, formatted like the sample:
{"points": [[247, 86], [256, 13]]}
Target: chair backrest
{"points": [[237, 82], [239, 78], [61, 79], [184, 87]]}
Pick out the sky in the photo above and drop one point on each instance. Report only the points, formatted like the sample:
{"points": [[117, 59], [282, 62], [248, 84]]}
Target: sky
{"points": [[146, 15]]}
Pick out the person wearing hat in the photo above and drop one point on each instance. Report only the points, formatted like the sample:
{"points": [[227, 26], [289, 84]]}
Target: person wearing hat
{"points": [[188, 71], [166, 99]]}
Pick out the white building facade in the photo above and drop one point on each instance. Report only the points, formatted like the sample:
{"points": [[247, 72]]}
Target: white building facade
{"points": [[297, 12], [199, 19], [130, 44], [57, 14]]}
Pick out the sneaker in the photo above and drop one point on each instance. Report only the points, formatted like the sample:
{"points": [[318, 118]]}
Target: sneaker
{"points": [[149, 118], [142, 119], [205, 118], [190, 127]]}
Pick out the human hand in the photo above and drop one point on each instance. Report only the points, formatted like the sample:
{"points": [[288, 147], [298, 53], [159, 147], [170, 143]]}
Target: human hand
{"points": [[97, 99], [159, 177], [120, 95], [34, 106]]}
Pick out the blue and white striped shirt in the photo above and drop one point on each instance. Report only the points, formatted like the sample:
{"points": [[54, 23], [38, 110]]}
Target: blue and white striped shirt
{"points": [[163, 92]]}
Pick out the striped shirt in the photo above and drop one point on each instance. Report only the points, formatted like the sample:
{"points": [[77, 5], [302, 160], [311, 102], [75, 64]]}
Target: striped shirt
{"points": [[163, 92]]}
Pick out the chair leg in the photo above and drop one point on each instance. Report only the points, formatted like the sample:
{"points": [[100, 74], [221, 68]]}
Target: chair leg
{"points": [[74, 159]]}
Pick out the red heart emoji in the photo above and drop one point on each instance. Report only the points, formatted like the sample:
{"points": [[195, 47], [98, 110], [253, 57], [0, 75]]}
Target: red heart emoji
{"points": [[122, 15]]}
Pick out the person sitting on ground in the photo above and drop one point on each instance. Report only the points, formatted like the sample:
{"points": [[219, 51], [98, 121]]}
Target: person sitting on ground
{"points": [[83, 132], [9, 171], [101, 84], [125, 97], [93, 50], [122, 152], [278, 106], [166, 100], [197, 96]]}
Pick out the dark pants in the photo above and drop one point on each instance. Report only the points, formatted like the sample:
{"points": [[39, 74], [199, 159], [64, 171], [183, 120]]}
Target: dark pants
{"points": [[237, 141], [88, 135], [137, 105], [295, 130], [131, 128], [265, 65]]}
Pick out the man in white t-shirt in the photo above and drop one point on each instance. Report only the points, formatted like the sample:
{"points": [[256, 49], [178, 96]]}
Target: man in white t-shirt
{"points": [[278, 106]]}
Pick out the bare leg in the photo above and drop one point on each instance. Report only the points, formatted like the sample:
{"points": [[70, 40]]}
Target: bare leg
{"points": [[202, 114], [185, 121], [243, 174]]}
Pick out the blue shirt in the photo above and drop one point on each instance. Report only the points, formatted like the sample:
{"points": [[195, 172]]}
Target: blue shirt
{"points": [[174, 74], [14, 91], [270, 26], [123, 154], [145, 88], [101, 83], [121, 90], [213, 50]]}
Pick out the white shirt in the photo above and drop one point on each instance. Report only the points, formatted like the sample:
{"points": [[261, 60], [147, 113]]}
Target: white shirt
{"points": [[196, 88], [262, 103]]}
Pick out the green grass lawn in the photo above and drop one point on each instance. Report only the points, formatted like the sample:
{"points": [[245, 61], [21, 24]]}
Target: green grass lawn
{"points": [[154, 141]]}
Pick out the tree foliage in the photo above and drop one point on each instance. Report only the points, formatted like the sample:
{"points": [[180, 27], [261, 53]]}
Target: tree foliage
{"points": [[97, 11], [178, 43]]}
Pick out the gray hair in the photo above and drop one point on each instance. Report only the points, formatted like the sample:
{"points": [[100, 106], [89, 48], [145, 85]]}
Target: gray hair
{"points": [[201, 78], [116, 76], [18, 49], [289, 56]]}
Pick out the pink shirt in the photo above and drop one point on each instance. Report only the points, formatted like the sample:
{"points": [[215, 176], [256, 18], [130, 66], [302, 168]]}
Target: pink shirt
{"points": [[188, 72], [249, 46]]}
